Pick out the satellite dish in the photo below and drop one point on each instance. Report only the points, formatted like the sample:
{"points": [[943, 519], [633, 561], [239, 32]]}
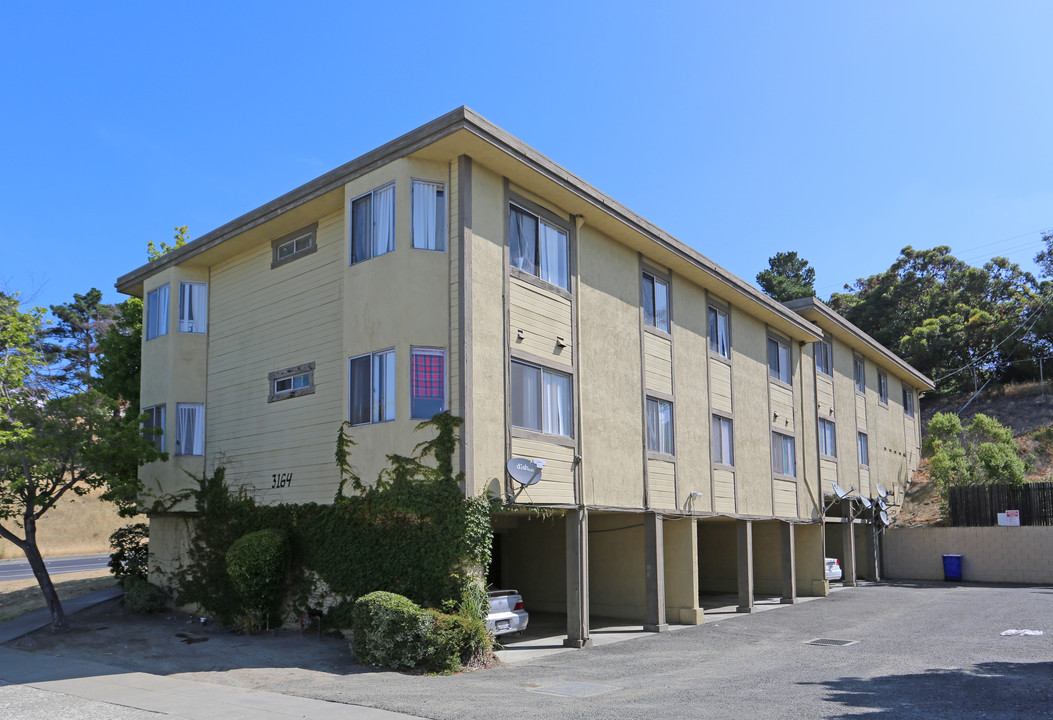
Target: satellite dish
{"points": [[523, 471], [883, 517], [882, 505], [881, 491], [865, 501], [839, 491]]}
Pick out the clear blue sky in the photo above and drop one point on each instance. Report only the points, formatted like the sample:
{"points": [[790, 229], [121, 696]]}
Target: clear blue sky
{"points": [[843, 130]]}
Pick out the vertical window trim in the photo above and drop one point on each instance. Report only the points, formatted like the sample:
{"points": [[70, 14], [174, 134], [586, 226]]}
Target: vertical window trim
{"points": [[371, 243], [439, 217], [156, 318], [374, 407], [656, 279], [430, 350]]}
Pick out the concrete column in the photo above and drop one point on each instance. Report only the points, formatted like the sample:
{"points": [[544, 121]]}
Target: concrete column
{"points": [[789, 564], [577, 579], [745, 563], [681, 571], [811, 568], [848, 546], [873, 573], [654, 572]]}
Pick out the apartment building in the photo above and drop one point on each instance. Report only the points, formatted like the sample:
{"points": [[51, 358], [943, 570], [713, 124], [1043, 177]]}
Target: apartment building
{"points": [[677, 420]]}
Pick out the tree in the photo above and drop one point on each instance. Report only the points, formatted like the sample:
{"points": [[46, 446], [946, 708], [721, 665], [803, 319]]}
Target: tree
{"points": [[181, 236], [983, 453], [788, 277], [56, 436]]}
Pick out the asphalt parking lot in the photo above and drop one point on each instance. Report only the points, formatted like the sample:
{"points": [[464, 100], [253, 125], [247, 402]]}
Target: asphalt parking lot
{"points": [[932, 651]]}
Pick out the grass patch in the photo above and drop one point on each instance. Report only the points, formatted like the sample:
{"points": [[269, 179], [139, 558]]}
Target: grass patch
{"points": [[18, 597], [76, 526]]}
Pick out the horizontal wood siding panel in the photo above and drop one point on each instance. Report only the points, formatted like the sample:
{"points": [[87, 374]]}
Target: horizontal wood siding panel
{"points": [[782, 403], [658, 363], [724, 490], [542, 316], [824, 393], [861, 412], [720, 386], [828, 472], [557, 477], [785, 497], [661, 484], [864, 481]]}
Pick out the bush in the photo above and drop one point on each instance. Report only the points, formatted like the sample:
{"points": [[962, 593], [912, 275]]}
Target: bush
{"points": [[130, 559], [981, 454], [142, 596], [256, 564], [392, 631]]}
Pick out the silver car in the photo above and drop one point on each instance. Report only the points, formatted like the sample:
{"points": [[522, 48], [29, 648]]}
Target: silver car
{"points": [[833, 569], [506, 612]]}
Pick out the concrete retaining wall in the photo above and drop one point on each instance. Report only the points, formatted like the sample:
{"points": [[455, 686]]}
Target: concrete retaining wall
{"points": [[991, 554]]}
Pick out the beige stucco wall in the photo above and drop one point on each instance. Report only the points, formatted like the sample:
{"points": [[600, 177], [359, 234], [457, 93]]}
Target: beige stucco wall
{"points": [[991, 554], [690, 348], [616, 565], [533, 560], [749, 348]]}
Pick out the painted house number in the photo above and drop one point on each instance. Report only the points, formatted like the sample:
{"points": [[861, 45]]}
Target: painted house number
{"points": [[280, 480]]}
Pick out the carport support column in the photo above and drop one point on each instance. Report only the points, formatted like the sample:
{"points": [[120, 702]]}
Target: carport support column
{"points": [[789, 564], [873, 573], [745, 565], [577, 579], [848, 551], [654, 572]]}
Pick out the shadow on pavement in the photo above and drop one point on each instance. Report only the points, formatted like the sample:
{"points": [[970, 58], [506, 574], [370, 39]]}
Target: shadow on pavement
{"points": [[994, 689]]}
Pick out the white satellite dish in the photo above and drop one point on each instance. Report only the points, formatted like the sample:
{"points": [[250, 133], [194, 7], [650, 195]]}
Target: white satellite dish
{"points": [[881, 491], [865, 501], [523, 471], [839, 491], [883, 517], [882, 505]]}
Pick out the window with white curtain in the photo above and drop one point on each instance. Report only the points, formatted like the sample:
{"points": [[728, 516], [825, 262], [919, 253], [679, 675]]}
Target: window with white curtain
{"points": [[372, 387], [859, 374], [373, 224], [538, 247], [154, 425], [824, 357], [783, 454], [659, 426], [193, 307], [541, 399], [156, 315], [723, 441], [190, 429], [655, 294], [779, 360], [429, 215], [827, 438], [719, 337], [864, 450]]}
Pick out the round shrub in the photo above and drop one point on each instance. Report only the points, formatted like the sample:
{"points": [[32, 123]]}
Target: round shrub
{"points": [[256, 564], [142, 596], [388, 630]]}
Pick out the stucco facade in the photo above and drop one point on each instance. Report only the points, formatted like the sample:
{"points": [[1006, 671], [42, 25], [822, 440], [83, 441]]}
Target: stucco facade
{"points": [[675, 407]]}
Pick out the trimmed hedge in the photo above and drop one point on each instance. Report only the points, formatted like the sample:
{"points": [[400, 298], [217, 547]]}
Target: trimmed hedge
{"points": [[256, 564], [394, 632]]}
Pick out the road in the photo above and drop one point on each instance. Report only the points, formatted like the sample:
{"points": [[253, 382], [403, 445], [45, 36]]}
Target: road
{"points": [[20, 570]]}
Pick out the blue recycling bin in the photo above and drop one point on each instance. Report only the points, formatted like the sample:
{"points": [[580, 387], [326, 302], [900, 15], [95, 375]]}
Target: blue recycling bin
{"points": [[952, 568]]}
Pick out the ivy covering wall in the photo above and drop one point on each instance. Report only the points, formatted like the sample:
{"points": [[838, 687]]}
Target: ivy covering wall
{"points": [[412, 532]]}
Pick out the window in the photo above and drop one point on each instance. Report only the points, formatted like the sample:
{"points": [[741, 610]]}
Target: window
{"points": [[373, 224], [157, 313], [155, 418], [783, 454], [538, 248], [294, 246], [882, 388], [859, 373], [291, 382], [541, 400], [908, 401], [427, 382], [429, 215], [864, 450], [372, 392], [655, 302], [660, 426], [779, 360], [190, 429], [723, 441], [824, 357], [193, 307], [719, 338], [827, 438]]}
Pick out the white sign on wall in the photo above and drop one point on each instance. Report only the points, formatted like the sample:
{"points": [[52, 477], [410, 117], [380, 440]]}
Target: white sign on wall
{"points": [[1010, 518]]}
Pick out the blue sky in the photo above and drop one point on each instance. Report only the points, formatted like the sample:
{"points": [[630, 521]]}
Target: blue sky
{"points": [[842, 130]]}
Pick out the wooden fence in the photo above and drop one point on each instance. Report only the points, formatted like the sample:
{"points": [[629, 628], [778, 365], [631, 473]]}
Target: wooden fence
{"points": [[979, 505]]}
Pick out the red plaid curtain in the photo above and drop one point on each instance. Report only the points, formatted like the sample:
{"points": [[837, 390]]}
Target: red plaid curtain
{"points": [[427, 375]]}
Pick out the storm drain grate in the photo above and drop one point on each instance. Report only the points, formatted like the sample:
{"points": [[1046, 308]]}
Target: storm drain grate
{"points": [[831, 642], [574, 689]]}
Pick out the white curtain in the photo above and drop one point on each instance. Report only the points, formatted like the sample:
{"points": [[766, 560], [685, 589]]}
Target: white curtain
{"points": [[665, 424], [190, 429], [554, 256], [661, 305], [425, 215], [556, 403], [192, 307], [522, 241], [384, 220], [723, 444], [654, 432], [526, 396], [384, 386]]}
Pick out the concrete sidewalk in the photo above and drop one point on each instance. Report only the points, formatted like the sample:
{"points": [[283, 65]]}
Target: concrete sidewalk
{"points": [[31, 622]]}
